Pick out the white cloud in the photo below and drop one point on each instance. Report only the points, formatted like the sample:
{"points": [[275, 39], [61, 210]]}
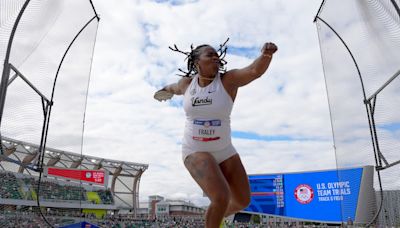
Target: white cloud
{"points": [[132, 61]]}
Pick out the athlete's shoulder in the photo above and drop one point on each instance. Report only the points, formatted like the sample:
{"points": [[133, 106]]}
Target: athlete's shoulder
{"points": [[186, 79], [184, 83]]}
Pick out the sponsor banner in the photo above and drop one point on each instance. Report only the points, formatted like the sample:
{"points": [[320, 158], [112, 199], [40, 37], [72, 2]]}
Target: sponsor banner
{"points": [[91, 176], [318, 196]]}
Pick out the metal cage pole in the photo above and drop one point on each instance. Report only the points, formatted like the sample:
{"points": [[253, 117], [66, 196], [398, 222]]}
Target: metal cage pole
{"points": [[370, 109], [6, 65]]}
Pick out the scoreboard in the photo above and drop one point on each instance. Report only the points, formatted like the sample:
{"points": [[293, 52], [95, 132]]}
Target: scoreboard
{"points": [[267, 195], [326, 196]]}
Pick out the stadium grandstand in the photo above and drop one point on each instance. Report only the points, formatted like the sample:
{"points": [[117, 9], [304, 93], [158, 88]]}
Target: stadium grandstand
{"points": [[117, 193], [46, 50]]}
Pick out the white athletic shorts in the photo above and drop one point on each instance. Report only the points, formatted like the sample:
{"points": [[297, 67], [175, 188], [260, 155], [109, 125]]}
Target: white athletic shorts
{"points": [[219, 155]]}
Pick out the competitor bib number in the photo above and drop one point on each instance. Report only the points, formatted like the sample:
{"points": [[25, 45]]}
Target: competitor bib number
{"points": [[206, 130]]}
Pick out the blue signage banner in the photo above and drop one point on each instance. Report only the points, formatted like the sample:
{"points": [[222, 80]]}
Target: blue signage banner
{"points": [[320, 196]]}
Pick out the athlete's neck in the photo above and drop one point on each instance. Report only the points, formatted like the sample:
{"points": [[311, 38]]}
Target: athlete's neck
{"points": [[205, 81], [206, 78]]}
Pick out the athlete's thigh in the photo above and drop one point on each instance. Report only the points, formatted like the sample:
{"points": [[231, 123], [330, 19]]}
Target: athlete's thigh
{"points": [[204, 169], [236, 176]]}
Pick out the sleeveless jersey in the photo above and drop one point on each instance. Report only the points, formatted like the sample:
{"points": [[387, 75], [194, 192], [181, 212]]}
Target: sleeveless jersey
{"points": [[208, 110]]}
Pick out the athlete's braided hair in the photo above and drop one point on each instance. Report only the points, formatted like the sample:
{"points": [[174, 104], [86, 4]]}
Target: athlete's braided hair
{"points": [[194, 54]]}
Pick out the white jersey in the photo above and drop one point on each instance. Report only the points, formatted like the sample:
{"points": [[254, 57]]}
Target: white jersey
{"points": [[208, 111]]}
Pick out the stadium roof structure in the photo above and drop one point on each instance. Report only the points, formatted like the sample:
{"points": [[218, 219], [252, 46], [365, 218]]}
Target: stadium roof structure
{"points": [[125, 176]]}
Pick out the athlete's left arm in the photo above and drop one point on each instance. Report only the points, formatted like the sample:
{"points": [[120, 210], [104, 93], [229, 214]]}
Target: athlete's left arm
{"points": [[241, 77]]}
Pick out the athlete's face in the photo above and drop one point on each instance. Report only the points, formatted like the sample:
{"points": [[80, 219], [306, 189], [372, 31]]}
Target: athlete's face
{"points": [[208, 63]]}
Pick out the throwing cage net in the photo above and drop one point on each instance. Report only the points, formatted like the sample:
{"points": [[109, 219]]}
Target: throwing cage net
{"points": [[46, 50], [360, 48]]}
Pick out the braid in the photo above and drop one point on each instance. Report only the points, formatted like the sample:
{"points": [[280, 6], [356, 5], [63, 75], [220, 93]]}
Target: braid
{"points": [[194, 55]]}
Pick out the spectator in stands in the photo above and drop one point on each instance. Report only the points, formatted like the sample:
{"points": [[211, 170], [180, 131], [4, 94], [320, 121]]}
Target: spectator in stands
{"points": [[207, 151]]}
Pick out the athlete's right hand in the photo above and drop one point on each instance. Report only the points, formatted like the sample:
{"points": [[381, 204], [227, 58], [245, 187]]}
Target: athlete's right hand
{"points": [[163, 95]]}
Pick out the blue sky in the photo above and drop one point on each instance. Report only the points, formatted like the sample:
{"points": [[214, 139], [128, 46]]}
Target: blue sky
{"points": [[280, 122], [281, 119]]}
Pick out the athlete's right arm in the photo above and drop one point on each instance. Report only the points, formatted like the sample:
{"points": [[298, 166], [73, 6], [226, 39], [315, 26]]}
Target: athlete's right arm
{"points": [[168, 91], [178, 88]]}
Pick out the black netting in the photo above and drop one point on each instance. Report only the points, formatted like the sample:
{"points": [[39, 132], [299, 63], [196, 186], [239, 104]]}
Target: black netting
{"points": [[45, 78], [360, 46]]}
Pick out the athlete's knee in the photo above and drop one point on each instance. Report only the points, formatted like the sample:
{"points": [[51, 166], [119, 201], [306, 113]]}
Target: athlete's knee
{"points": [[221, 198], [242, 201]]}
